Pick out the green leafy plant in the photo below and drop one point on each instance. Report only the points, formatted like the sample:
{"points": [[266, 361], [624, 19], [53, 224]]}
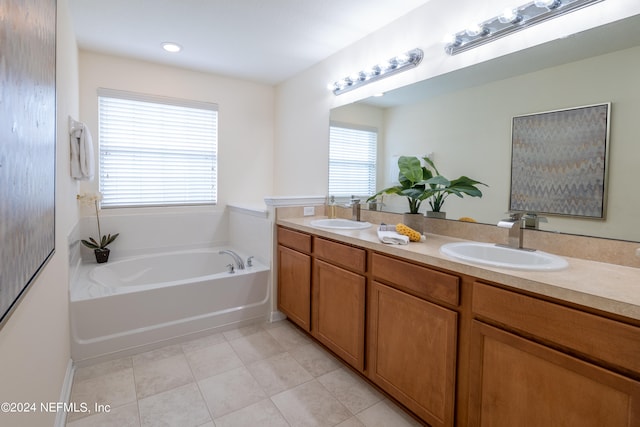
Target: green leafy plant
{"points": [[105, 240], [418, 183], [440, 187]]}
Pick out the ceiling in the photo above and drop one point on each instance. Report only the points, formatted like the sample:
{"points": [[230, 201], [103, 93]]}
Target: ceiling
{"points": [[266, 41]]}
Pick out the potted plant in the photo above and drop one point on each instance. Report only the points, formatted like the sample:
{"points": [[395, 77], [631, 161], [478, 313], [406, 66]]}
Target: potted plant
{"points": [[411, 178], [419, 183], [99, 246], [439, 188]]}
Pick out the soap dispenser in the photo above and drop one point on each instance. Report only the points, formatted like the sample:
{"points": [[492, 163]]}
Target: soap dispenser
{"points": [[332, 208]]}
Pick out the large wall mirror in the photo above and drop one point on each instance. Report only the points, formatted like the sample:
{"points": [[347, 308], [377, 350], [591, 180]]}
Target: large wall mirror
{"points": [[464, 119]]}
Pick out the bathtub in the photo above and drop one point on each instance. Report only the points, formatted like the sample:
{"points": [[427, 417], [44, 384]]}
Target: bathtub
{"points": [[136, 302]]}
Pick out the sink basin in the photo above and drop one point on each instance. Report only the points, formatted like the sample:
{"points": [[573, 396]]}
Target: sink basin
{"points": [[340, 223], [498, 256]]}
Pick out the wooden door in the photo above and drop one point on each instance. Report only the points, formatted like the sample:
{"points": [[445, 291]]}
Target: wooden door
{"points": [[412, 352], [338, 311], [517, 382], [294, 286]]}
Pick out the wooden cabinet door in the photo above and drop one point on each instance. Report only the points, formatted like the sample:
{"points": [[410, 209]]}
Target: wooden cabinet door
{"points": [[517, 382], [412, 352], [294, 286], [338, 311]]}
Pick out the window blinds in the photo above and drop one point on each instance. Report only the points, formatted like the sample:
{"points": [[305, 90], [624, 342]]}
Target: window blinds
{"points": [[156, 151], [352, 160]]}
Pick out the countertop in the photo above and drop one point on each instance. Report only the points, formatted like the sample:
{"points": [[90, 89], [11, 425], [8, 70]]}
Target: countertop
{"points": [[607, 287]]}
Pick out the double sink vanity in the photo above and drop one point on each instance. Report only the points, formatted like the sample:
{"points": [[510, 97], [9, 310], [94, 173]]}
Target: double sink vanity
{"points": [[459, 343]]}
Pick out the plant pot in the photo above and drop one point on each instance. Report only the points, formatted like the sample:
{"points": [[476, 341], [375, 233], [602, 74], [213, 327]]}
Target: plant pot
{"points": [[102, 255], [415, 221], [439, 215]]}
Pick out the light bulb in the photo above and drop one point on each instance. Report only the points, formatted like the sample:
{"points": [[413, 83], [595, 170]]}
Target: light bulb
{"points": [[549, 4], [510, 16], [451, 40], [402, 59], [476, 30]]}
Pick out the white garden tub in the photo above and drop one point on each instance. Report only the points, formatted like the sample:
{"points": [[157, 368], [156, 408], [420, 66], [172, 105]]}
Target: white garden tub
{"points": [[138, 301]]}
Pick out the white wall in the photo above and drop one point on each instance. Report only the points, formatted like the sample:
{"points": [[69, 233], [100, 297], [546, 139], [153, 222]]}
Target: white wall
{"points": [[303, 102], [245, 148], [245, 139], [34, 343]]}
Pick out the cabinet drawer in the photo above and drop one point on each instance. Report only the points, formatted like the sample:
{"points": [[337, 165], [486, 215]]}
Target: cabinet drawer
{"points": [[340, 254], [594, 336], [416, 279], [294, 239]]}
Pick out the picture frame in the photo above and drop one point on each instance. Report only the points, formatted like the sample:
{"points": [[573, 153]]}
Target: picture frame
{"points": [[27, 146], [559, 162]]}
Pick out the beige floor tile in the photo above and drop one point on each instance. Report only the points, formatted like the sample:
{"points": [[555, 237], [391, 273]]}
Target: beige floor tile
{"points": [[230, 377], [255, 347], [351, 422], [156, 376], [203, 342], [157, 354], [384, 414], [122, 416], [276, 324], [103, 368], [179, 407], [315, 360], [310, 404], [262, 414], [354, 393], [213, 360], [278, 373], [243, 331], [232, 390], [114, 389], [289, 337]]}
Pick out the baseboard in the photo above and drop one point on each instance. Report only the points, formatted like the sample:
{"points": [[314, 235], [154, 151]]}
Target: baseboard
{"points": [[65, 394]]}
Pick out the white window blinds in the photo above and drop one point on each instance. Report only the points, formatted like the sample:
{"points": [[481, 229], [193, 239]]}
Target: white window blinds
{"points": [[156, 151], [352, 160]]}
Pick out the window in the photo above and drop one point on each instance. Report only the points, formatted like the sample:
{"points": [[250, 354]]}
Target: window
{"points": [[156, 151], [352, 160]]}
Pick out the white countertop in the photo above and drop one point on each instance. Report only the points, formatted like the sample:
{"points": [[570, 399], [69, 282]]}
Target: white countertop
{"points": [[607, 287]]}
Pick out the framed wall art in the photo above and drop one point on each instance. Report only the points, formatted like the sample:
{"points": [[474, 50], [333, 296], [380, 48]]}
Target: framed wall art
{"points": [[559, 162], [27, 145]]}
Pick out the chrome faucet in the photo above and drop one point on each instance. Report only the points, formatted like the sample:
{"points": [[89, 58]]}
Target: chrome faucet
{"points": [[235, 257], [355, 208], [514, 224]]}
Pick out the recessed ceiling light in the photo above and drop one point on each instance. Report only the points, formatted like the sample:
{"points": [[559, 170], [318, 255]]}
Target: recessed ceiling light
{"points": [[171, 47]]}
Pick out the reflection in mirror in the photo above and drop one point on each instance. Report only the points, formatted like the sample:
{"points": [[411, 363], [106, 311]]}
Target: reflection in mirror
{"points": [[464, 120]]}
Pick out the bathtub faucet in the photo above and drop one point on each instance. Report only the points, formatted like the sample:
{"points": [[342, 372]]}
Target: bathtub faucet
{"points": [[235, 257]]}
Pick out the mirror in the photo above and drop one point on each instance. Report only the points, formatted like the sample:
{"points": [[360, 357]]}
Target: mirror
{"points": [[464, 120]]}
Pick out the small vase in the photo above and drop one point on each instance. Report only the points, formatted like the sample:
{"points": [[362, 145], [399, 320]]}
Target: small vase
{"points": [[439, 215], [415, 221], [102, 255]]}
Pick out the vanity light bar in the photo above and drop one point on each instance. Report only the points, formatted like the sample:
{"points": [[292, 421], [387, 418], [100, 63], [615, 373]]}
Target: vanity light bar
{"points": [[387, 68], [510, 21]]}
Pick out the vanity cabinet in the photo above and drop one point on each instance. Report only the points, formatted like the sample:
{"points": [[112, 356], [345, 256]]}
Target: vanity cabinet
{"points": [[412, 341], [457, 350], [539, 364], [294, 276], [338, 299]]}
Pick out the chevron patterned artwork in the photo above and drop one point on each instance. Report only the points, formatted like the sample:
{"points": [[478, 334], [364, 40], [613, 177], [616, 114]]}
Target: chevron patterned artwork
{"points": [[559, 160]]}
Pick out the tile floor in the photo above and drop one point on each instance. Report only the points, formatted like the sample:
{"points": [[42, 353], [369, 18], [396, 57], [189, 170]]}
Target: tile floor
{"points": [[260, 375]]}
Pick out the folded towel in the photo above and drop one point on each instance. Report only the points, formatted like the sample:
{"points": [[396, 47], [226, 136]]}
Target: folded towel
{"points": [[392, 238], [82, 162]]}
